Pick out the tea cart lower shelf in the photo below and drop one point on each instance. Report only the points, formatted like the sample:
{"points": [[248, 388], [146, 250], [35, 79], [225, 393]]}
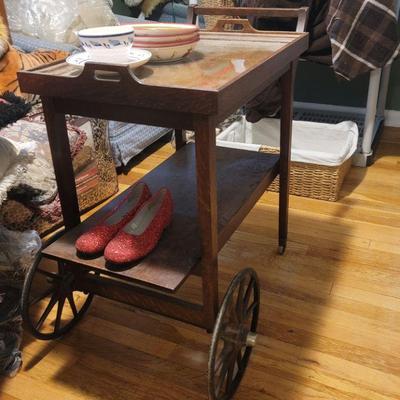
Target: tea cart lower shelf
{"points": [[242, 176]]}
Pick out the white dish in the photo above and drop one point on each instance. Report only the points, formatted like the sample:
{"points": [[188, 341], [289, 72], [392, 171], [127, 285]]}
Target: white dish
{"points": [[173, 53], [162, 29], [107, 41], [136, 58]]}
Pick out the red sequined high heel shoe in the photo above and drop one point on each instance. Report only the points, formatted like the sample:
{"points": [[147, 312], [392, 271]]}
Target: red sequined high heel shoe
{"points": [[141, 235], [93, 242]]}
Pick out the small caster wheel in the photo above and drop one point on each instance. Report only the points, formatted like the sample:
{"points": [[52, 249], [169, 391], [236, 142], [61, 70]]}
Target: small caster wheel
{"points": [[234, 335], [50, 304], [281, 250]]}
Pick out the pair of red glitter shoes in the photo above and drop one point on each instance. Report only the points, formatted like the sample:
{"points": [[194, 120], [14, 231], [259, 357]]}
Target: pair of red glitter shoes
{"points": [[132, 229]]}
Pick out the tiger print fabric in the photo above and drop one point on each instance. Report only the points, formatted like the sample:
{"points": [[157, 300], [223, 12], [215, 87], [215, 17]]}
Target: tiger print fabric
{"points": [[3, 38], [14, 61]]}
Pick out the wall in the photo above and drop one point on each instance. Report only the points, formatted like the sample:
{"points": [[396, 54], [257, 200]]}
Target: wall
{"points": [[318, 84]]}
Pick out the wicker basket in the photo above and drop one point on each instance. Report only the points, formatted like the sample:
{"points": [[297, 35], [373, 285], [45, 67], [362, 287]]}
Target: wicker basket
{"points": [[312, 180], [210, 20]]}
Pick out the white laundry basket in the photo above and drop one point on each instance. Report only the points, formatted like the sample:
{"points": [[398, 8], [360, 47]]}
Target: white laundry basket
{"points": [[321, 153]]}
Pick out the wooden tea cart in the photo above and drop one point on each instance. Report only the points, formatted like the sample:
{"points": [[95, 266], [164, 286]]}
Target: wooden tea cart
{"points": [[213, 188]]}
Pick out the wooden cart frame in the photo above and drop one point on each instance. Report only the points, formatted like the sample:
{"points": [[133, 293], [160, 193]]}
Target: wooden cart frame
{"points": [[213, 188]]}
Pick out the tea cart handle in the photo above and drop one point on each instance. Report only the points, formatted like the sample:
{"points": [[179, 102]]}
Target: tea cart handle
{"points": [[246, 27], [108, 73], [301, 13]]}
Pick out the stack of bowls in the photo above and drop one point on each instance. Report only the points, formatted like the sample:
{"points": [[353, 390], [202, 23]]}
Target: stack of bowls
{"points": [[166, 41]]}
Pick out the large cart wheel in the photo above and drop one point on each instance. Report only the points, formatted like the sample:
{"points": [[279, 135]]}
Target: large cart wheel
{"points": [[50, 304], [234, 335]]}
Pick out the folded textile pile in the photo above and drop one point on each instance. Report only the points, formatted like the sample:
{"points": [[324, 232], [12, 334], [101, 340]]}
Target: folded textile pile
{"points": [[30, 200], [12, 108], [17, 252]]}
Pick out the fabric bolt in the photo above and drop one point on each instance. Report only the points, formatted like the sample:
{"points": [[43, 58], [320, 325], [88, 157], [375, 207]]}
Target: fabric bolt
{"points": [[49, 215], [8, 155], [16, 216], [36, 184], [128, 140], [17, 168], [33, 185], [29, 44]]}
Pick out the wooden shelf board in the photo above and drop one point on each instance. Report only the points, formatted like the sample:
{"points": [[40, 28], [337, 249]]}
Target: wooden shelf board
{"points": [[242, 176]]}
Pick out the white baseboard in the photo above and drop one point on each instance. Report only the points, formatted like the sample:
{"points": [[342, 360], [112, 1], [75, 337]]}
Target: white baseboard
{"points": [[392, 118]]}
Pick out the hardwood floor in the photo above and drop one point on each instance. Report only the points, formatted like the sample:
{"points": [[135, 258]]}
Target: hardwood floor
{"points": [[329, 319]]}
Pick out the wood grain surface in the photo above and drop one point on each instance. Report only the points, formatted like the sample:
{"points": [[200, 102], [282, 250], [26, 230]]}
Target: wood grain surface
{"points": [[329, 316]]}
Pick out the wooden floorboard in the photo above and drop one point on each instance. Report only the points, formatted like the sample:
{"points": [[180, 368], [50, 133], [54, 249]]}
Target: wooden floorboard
{"points": [[329, 325]]}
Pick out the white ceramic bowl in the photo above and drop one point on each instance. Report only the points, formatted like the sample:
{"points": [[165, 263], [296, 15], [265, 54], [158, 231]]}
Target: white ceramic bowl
{"points": [[107, 42], [161, 29], [172, 53], [135, 59]]}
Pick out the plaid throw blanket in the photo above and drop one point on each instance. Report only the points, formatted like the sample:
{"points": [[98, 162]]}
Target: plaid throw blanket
{"points": [[355, 36], [363, 35]]}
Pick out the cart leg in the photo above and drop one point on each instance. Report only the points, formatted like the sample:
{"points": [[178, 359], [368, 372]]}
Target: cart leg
{"points": [[61, 155], [207, 214], [285, 145], [180, 138]]}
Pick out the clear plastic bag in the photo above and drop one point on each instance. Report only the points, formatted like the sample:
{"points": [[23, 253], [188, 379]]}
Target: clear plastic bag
{"points": [[58, 21], [17, 253], [10, 342]]}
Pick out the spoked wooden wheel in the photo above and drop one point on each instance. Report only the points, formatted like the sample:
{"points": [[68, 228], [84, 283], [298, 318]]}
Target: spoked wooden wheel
{"points": [[234, 335], [50, 305]]}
